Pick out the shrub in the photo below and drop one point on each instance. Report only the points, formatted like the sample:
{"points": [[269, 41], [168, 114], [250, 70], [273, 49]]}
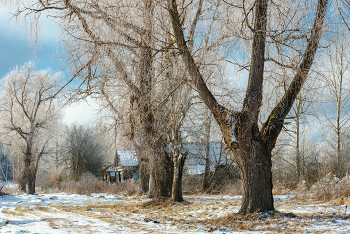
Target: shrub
{"points": [[9, 188], [88, 184], [331, 187]]}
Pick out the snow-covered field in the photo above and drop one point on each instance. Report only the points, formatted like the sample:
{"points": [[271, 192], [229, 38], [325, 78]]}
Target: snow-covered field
{"points": [[109, 213]]}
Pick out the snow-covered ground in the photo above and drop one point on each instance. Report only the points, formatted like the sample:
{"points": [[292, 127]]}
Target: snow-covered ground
{"points": [[109, 213]]}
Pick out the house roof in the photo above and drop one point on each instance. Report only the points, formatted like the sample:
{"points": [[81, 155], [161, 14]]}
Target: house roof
{"points": [[195, 162], [108, 168], [126, 158]]}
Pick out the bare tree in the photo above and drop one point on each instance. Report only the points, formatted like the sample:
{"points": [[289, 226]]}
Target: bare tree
{"points": [[85, 151], [29, 110], [336, 82], [6, 167], [252, 146], [297, 118], [105, 46], [123, 46], [128, 36]]}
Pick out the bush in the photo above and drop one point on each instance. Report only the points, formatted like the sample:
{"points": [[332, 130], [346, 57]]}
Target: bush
{"points": [[192, 183], [9, 188], [88, 184], [330, 187], [280, 188], [235, 188]]}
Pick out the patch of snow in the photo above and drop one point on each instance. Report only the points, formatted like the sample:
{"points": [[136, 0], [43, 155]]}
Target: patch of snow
{"points": [[41, 214]]}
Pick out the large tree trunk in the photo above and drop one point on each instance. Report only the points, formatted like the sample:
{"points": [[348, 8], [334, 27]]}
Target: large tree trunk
{"points": [[143, 167], [162, 171], [160, 162], [23, 181], [28, 179], [206, 175], [179, 162], [31, 182], [161, 165], [256, 178], [26, 171], [143, 176]]}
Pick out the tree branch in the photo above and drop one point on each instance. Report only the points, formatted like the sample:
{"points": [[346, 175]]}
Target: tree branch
{"points": [[220, 113], [274, 123]]}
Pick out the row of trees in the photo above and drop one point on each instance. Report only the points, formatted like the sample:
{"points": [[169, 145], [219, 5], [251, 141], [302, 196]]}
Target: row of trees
{"points": [[33, 134], [149, 61]]}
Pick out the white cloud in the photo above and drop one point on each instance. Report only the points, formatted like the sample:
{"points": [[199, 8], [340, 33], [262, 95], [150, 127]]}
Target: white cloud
{"points": [[49, 30], [83, 112]]}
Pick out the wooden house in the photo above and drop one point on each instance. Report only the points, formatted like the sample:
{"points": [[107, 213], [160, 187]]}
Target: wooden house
{"points": [[108, 174], [126, 165]]}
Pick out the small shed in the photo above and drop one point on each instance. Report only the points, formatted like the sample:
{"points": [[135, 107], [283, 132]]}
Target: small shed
{"points": [[108, 174], [126, 165]]}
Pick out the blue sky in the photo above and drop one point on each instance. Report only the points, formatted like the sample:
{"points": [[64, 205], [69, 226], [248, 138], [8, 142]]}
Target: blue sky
{"points": [[17, 49]]}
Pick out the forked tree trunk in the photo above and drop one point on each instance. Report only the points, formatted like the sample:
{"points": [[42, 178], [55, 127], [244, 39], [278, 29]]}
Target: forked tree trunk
{"points": [[28, 180], [253, 149], [179, 162], [256, 178]]}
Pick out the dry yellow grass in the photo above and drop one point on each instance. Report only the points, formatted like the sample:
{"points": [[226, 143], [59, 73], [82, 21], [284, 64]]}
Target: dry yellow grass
{"points": [[207, 214], [32, 209], [12, 213]]}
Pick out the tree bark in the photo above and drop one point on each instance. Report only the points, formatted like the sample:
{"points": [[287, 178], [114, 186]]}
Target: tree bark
{"points": [[23, 181], [162, 171], [256, 178], [144, 178], [28, 178], [206, 175], [297, 140], [27, 161], [150, 186], [179, 162], [161, 165], [31, 181], [143, 168]]}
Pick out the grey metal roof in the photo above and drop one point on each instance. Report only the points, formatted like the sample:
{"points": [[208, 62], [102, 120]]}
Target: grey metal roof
{"points": [[195, 162], [126, 158], [110, 169]]}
